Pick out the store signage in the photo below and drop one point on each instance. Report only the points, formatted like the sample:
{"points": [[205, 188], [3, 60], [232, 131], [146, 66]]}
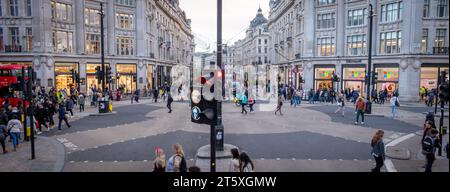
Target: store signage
{"points": [[353, 60]]}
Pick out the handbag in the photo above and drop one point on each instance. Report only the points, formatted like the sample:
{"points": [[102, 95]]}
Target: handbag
{"points": [[396, 103]]}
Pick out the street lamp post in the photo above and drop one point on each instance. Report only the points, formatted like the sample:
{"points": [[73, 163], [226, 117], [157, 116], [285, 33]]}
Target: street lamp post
{"points": [[369, 64]]}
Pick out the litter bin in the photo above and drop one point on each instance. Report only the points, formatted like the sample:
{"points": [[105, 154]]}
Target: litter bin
{"points": [[103, 106]]}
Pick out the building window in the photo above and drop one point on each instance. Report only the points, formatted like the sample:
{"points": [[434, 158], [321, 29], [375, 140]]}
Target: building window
{"points": [[390, 42], [391, 12], [92, 44], [426, 8], [440, 38], [15, 39], [1, 8], [325, 46], [2, 45], [125, 46], [259, 41], [265, 50], [61, 11], [13, 8], [356, 45], [357, 17], [62, 41], [325, 21], [125, 2], [91, 17], [265, 41], [29, 8], [325, 2], [442, 8], [124, 21], [259, 50], [29, 39], [424, 41]]}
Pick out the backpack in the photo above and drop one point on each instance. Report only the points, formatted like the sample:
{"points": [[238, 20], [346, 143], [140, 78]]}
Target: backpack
{"points": [[183, 164], [428, 145]]}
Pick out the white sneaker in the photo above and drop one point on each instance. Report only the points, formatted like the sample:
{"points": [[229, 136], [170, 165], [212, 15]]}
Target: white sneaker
{"points": [[356, 123], [362, 123]]}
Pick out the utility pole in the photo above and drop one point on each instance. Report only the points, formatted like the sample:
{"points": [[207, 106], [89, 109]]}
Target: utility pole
{"points": [[24, 107], [30, 100], [102, 45], [369, 65]]}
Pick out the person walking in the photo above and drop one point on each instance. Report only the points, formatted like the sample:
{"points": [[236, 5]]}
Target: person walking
{"points": [[155, 95], [244, 102], [311, 96], [394, 105], [3, 135], [251, 103], [62, 116], [159, 164], [279, 105], [69, 106], [429, 145], [14, 128], [169, 102], [359, 110], [81, 102], [3, 117], [378, 150], [245, 163], [341, 104], [177, 162], [234, 162]]}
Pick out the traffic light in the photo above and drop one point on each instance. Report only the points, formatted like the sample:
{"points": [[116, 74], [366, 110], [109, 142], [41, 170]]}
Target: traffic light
{"points": [[108, 74], [336, 78], [301, 79], [375, 77], [206, 94], [98, 74], [134, 78]]}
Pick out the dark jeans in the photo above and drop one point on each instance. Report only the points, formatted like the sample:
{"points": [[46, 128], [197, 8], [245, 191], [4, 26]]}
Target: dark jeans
{"points": [[2, 142], [359, 113], [71, 112], [169, 106], [430, 160], [380, 163], [251, 108], [60, 121], [243, 108], [81, 107]]}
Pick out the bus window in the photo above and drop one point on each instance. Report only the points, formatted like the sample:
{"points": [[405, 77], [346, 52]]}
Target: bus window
{"points": [[5, 72]]}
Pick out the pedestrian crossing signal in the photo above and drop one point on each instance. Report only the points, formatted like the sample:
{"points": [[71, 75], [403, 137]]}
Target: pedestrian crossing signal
{"points": [[205, 95]]}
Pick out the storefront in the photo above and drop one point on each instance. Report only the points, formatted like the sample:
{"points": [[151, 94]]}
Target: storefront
{"points": [[387, 77], [161, 76], [282, 76], [91, 80], [126, 74], [63, 75], [353, 78], [429, 75], [323, 76], [26, 64]]}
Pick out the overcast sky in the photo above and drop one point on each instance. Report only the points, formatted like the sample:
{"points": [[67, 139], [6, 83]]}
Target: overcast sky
{"points": [[237, 15]]}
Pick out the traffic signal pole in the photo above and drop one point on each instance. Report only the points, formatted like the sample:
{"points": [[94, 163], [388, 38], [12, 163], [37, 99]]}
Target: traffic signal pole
{"points": [[369, 63], [30, 100], [102, 43]]}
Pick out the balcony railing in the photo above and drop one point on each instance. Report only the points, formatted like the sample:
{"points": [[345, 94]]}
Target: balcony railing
{"points": [[440, 50], [13, 49]]}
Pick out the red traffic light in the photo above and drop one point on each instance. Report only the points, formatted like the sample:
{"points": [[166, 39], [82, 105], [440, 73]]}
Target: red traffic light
{"points": [[219, 74]]}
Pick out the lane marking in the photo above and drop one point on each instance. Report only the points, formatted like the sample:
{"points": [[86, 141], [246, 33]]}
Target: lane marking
{"points": [[389, 166], [399, 140]]}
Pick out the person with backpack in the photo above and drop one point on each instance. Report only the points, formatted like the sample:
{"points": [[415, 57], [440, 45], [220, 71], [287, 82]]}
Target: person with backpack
{"points": [[378, 150], [359, 110], [3, 135], [429, 145], [177, 163], [394, 105], [169, 102], [245, 163], [3, 117], [159, 163], [81, 102], [244, 102], [234, 162], [15, 128]]}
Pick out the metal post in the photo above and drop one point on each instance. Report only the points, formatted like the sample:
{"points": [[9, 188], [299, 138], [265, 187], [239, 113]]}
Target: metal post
{"points": [[369, 64], [30, 100], [24, 115], [441, 119], [102, 43]]}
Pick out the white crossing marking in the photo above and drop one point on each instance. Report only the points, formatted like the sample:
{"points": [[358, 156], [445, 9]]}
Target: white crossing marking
{"points": [[389, 166], [399, 140]]}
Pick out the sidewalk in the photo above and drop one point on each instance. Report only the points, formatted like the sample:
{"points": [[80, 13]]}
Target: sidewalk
{"points": [[50, 157]]}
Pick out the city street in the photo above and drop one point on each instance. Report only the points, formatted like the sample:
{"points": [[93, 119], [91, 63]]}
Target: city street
{"points": [[306, 138]]}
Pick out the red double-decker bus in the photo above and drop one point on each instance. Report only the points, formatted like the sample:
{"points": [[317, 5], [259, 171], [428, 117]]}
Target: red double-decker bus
{"points": [[10, 83]]}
